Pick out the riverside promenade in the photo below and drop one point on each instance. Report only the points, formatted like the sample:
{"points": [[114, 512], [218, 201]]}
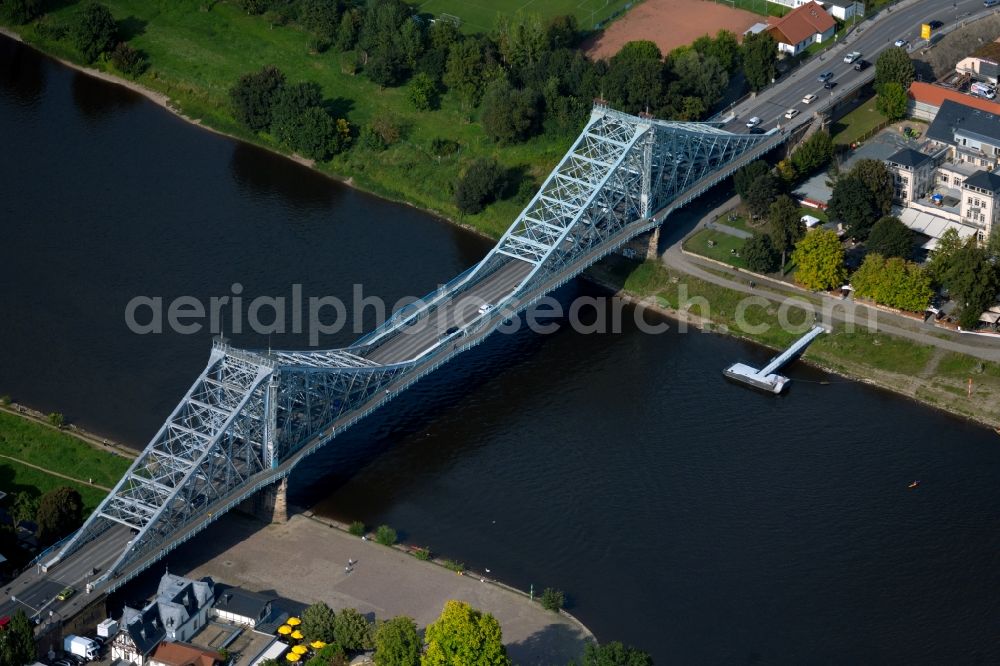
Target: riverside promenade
{"points": [[305, 559]]}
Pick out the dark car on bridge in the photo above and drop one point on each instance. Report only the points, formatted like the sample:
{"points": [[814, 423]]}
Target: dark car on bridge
{"points": [[861, 65]]}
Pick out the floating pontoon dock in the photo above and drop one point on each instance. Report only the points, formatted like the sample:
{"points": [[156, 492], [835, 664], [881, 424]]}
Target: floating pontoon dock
{"points": [[765, 379]]}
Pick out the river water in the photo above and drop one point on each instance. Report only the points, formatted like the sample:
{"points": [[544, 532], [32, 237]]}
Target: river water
{"points": [[690, 517]]}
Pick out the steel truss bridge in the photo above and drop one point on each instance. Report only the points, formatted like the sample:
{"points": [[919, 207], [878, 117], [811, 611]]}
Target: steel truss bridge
{"points": [[251, 416]]}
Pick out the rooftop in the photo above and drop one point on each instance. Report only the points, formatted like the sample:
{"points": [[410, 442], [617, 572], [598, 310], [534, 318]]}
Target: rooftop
{"points": [[802, 23], [244, 603], [986, 180], [182, 654], [954, 117], [908, 157], [934, 95]]}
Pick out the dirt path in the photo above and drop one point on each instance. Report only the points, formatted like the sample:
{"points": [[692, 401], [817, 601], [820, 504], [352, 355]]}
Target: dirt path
{"points": [[51, 473]]}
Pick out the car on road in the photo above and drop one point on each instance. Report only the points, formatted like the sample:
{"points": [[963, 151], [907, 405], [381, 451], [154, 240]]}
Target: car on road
{"points": [[485, 307], [830, 85], [934, 25], [991, 3], [861, 65], [452, 330], [825, 76], [852, 56], [809, 99], [753, 122], [901, 43], [791, 113], [65, 594]]}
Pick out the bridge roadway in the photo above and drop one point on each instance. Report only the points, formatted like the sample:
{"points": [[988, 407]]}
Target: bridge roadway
{"points": [[870, 37]]}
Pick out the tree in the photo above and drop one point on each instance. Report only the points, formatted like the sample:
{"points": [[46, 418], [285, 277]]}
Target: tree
{"points": [[385, 535], [481, 185], [552, 599], [254, 95], [318, 623], [894, 65], [786, 225], [852, 204], [562, 32], [944, 254], [127, 60], [464, 635], [94, 31], [878, 179], [760, 57], [319, 136], [352, 629], [725, 48], [509, 115], [397, 643], [819, 260], [892, 101], [520, 38], [973, 281], [422, 92], [287, 109], [614, 654], [761, 193], [744, 176], [813, 154], [464, 71], [890, 238], [331, 654], [17, 642], [759, 253], [25, 508], [698, 76], [60, 511], [321, 17], [21, 11], [893, 282]]}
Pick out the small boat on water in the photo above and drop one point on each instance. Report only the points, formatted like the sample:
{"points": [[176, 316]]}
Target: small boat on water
{"points": [[914, 484]]}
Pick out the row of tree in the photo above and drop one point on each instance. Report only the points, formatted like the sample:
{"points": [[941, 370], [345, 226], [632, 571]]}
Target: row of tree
{"points": [[55, 514], [460, 635]]}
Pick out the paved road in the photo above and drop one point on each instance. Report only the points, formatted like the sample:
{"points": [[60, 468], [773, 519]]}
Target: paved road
{"points": [[870, 38]]}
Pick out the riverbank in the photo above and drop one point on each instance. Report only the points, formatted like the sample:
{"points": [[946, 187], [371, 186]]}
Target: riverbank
{"points": [[304, 559], [953, 382], [36, 457]]}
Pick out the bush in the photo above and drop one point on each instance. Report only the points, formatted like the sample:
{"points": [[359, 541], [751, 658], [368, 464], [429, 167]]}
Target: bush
{"points": [[4, 400], [422, 92], [94, 31], [759, 253], [552, 599], [254, 95], [443, 147], [421, 553], [385, 535], [481, 185], [57, 419], [357, 528], [457, 567], [127, 60], [21, 11]]}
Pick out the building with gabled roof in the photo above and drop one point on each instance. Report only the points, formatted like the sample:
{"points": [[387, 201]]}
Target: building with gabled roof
{"points": [[183, 654], [806, 25], [178, 611]]}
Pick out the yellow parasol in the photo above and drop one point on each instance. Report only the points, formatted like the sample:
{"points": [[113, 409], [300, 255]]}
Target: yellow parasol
{"points": [[300, 649], [293, 656], [297, 635], [284, 630], [293, 622], [317, 645]]}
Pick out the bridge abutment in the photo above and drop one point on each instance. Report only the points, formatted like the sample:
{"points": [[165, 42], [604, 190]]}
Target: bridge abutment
{"points": [[270, 504], [653, 244]]}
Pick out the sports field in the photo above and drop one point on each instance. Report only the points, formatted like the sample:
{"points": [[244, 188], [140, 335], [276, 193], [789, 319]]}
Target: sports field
{"points": [[480, 15]]}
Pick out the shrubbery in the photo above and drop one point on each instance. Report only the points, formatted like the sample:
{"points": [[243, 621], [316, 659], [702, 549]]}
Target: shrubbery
{"points": [[483, 183]]}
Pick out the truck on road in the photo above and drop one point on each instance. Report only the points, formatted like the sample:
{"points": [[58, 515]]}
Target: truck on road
{"points": [[81, 646], [983, 90]]}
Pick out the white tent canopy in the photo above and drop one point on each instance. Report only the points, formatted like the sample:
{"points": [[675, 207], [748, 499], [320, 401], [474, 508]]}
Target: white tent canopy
{"points": [[933, 226], [810, 221]]}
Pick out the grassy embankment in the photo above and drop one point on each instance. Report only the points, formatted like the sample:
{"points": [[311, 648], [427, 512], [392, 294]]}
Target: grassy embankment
{"points": [[479, 17], [54, 450], [916, 370], [195, 56]]}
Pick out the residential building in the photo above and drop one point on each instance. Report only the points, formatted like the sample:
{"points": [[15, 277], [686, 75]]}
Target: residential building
{"points": [[845, 10], [972, 134], [926, 99], [178, 611], [800, 28], [981, 202], [183, 654], [913, 174], [238, 606]]}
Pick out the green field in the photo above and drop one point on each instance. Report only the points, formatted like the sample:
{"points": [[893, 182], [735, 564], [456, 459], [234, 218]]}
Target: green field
{"points": [[57, 451], [480, 16]]}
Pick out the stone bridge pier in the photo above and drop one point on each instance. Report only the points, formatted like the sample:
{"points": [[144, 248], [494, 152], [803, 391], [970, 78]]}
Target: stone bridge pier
{"points": [[270, 504]]}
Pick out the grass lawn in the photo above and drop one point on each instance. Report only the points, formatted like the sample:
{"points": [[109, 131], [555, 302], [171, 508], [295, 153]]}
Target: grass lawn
{"points": [[716, 245], [16, 478], [878, 351], [195, 56], [761, 7], [857, 123], [55, 450], [480, 16]]}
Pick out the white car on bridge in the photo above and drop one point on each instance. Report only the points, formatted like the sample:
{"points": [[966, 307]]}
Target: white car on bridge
{"points": [[809, 99]]}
